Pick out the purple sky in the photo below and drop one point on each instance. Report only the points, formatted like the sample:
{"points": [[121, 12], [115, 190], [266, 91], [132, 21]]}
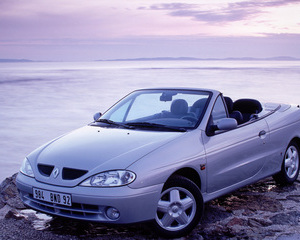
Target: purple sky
{"points": [[77, 30]]}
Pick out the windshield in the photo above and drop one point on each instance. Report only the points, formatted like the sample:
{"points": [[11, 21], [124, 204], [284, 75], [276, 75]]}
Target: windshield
{"points": [[158, 109]]}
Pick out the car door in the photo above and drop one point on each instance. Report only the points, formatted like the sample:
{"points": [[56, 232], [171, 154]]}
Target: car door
{"points": [[236, 155]]}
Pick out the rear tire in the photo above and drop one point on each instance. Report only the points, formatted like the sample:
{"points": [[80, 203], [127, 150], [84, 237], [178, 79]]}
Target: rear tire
{"points": [[290, 166], [179, 209]]}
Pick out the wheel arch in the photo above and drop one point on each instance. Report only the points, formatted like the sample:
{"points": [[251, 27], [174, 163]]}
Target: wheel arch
{"points": [[289, 173], [190, 174], [296, 140]]}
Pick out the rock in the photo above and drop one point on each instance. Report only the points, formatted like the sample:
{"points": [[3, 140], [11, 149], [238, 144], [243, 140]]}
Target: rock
{"points": [[14, 214], [2, 204], [295, 236], [291, 218], [16, 203], [9, 193], [214, 213], [254, 222], [249, 203], [295, 198], [237, 221], [4, 210], [8, 188]]}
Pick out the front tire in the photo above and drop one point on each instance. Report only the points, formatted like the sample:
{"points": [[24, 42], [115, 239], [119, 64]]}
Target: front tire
{"points": [[290, 166], [179, 209]]}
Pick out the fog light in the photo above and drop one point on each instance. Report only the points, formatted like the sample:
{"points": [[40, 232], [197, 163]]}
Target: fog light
{"points": [[112, 213]]}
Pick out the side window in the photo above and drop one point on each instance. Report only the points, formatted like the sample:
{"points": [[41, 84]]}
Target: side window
{"points": [[218, 111]]}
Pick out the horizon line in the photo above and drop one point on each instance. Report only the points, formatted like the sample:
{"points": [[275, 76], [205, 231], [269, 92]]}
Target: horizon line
{"points": [[277, 58]]}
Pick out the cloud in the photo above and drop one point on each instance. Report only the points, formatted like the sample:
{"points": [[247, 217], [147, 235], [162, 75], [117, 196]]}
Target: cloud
{"points": [[230, 12], [172, 6], [119, 28], [217, 16], [262, 4]]}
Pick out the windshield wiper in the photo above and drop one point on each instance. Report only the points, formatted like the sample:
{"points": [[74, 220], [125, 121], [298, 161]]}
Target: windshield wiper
{"points": [[156, 125], [110, 122]]}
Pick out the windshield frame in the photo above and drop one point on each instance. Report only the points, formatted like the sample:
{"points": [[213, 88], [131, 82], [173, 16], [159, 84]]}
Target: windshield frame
{"points": [[170, 92]]}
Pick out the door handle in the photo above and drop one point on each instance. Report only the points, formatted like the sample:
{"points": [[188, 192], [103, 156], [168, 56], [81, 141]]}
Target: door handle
{"points": [[262, 134]]}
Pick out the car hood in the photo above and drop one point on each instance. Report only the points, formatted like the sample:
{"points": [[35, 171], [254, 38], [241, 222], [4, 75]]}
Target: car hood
{"points": [[90, 150]]}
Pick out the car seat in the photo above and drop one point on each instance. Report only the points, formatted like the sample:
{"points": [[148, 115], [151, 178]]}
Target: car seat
{"points": [[179, 107], [248, 108], [237, 115], [198, 107]]}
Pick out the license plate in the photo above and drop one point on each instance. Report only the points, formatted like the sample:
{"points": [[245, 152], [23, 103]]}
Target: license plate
{"points": [[53, 197]]}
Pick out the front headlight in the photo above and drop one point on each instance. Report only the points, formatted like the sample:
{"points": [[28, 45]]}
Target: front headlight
{"points": [[26, 168], [114, 178]]}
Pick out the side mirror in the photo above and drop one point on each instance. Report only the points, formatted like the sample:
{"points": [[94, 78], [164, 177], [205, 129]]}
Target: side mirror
{"points": [[97, 116], [227, 124]]}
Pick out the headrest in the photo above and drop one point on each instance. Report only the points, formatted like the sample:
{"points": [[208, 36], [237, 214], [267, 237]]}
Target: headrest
{"points": [[200, 103], [247, 106], [179, 107], [198, 106], [229, 104]]}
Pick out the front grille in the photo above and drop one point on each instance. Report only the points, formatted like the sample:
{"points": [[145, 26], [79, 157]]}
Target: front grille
{"points": [[78, 211], [45, 170], [67, 173], [71, 174]]}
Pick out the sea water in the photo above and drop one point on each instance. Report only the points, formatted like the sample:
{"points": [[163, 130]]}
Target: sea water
{"points": [[43, 100]]}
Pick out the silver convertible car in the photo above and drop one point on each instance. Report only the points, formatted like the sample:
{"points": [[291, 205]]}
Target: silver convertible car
{"points": [[158, 155]]}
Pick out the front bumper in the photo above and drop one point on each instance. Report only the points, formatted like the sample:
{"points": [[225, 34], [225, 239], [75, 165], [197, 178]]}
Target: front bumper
{"points": [[91, 203]]}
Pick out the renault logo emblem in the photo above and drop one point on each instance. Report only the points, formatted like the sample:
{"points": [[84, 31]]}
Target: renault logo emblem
{"points": [[55, 172]]}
